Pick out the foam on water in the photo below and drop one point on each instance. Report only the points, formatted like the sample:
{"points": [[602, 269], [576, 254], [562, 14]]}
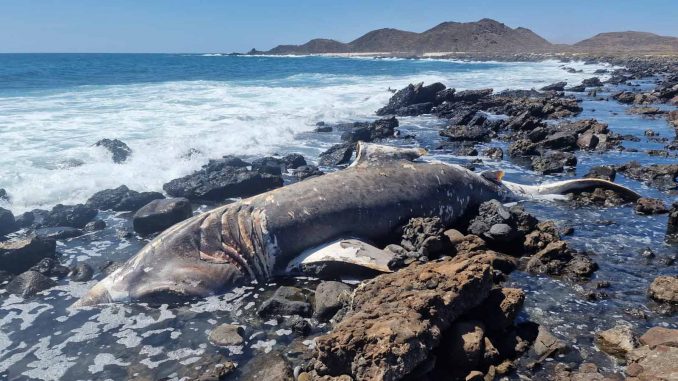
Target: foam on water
{"points": [[47, 137]]}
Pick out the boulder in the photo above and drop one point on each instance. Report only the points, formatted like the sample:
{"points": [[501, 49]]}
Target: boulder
{"points": [[553, 162], [82, 272], [592, 82], [294, 161], [617, 341], [222, 179], [397, 319], [338, 154], [25, 219], [655, 364], [660, 336], [494, 153], [122, 199], [410, 95], [646, 205], [664, 289], [286, 301], [424, 235], [50, 267], [462, 348], [28, 284], [159, 215], [226, 335], [20, 254], [306, 171], [330, 297], [547, 345], [117, 148], [672, 225], [269, 165], [74, 216], [7, 222], [379, 129], [604, 172]]}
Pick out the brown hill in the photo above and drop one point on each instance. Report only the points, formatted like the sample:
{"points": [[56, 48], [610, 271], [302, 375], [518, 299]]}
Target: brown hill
{"points": [[629, 41]]}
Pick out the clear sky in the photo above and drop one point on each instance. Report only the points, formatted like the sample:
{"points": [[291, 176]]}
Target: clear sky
{"points": [[226, 26]]}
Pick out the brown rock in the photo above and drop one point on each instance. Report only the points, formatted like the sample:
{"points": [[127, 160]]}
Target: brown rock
{"points": [[660, 336], [657, 364], [617, 341], [226, 335], [463, 347], [646, 205], [500, 309], [664, 289], [547, 345]]}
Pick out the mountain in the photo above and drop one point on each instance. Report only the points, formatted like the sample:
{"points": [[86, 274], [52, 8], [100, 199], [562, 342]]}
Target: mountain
{"points": [[484, 36], [629, 41]]}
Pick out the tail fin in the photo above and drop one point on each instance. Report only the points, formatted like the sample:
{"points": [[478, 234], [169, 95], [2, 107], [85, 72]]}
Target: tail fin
{"points": [[570, 186]]}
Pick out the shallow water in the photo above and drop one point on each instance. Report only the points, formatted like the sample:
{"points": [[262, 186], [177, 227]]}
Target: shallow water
{"points": [[251, 106]]}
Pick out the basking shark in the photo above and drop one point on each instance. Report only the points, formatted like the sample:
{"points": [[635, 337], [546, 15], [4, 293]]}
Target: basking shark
{"points": [[309, 222]]}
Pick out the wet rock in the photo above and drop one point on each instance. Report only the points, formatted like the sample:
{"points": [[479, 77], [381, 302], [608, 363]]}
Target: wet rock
{"points": [[159, 215], [82, 272], [5, 278], [617, 341], [330, 297], [410, 95], [222, 179], [294, 161], [547, 345], [495, 153], [3, 195], [117, 148], [19, 254], [25, 219], [604, 172], [50, 267], [600, 197], [647, 111], [397, 319], [306, 171], [592, 82], [267, 367], [424, 235], [499, 311], [95, 225], [286, 301], [28, 284], [471, 95], [338, 154], [672, 225], [58, 233], [467, 133], [626, 97], [269, 165], [664, 289], [588, 141], [122, 199], [379, 129], [558, 86], [553, 162], [7, 222], [650, 206], [661, 176], [577, 88], [298, 325], [557, 259], [208, 368], [75, 216], [226, 335]]}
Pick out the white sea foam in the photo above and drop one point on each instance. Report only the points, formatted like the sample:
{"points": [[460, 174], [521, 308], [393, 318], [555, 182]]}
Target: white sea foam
{"points": [[44, 135]]}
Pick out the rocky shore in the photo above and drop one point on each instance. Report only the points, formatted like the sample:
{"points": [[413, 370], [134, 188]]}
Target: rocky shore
{"points": [[449, 310]]}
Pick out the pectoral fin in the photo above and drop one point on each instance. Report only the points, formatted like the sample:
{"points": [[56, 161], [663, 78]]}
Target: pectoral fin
{"points": [[344, 257]]}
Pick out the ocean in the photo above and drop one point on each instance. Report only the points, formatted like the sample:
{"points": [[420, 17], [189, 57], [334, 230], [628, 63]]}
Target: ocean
{"points": [[54, 107]]}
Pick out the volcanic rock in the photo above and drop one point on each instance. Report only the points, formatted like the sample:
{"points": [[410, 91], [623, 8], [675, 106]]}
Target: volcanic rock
{"points": [[117, 148], [122, 199], [159, 215]]}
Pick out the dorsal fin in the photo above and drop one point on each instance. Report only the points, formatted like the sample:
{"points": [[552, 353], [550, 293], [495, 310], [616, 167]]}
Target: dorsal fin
{"points": [[367, 153]]}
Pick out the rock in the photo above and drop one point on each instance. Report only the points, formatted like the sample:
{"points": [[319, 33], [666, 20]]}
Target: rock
{"points": [[461, 349], [672, 225], [467, 133], [298, 325], [617, 341], [379, 129], [655, 364], [25, 220], [604, 172], [424, 235], [50, 267], [588, 141], [159, 215], [222, 179], [558, 86], [294, 161], [269, 165], [553, 162], [20, 254], [626, 97], [547, 345], [650, 206], [74, 216], [415, 109], [410, 95], [82, 272], [109, 266], [267, 367], [501, 233], [592, 82], [3, 195], [58, 233], [95, 225], [499, 311], [307, 171], [648, 111], [660, 336], [330, 297], [322, 127], [29, 283], [577, 89], [119, 149], [397, 319], [5, 278], [226, 335], [495, 153], [472, 95], [286, 301], [338, 154], [664, 289], [122, 199], [7, 222]]}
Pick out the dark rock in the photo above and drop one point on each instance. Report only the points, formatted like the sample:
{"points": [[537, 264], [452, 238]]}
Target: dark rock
{"points": [[29, 283], [75, 216], [294, 161], [119, 149], [82, 272], [330, 297], [626, 97], [617, 341], [577, 89], [298, 325], [222, 179], [424, 236], [95, 225], [306, 171], [338, 154], [58, 233], [592, 82], [553, 162], [122, 199], [672, 225], [25, 219], [3, 195], [650, 206], [661, 176], [109, 266], [286, 301], [226, 335], [20, 254], [159, 215], [50, 267], [379, 129], [410, 95], [322, 127], [415, 109], [7, 222], [269, 165], [558, 86], [588, 141], [472, 95], [495, 153], [267, 367], [647, 111], [5, 277], [604, 172], [467, 133]]}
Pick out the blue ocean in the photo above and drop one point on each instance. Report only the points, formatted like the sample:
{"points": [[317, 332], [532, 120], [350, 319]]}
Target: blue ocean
{"points": [[177, 111]]}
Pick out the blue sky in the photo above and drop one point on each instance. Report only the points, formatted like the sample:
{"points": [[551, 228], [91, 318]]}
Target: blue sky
{"points": [[226, 26]]}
